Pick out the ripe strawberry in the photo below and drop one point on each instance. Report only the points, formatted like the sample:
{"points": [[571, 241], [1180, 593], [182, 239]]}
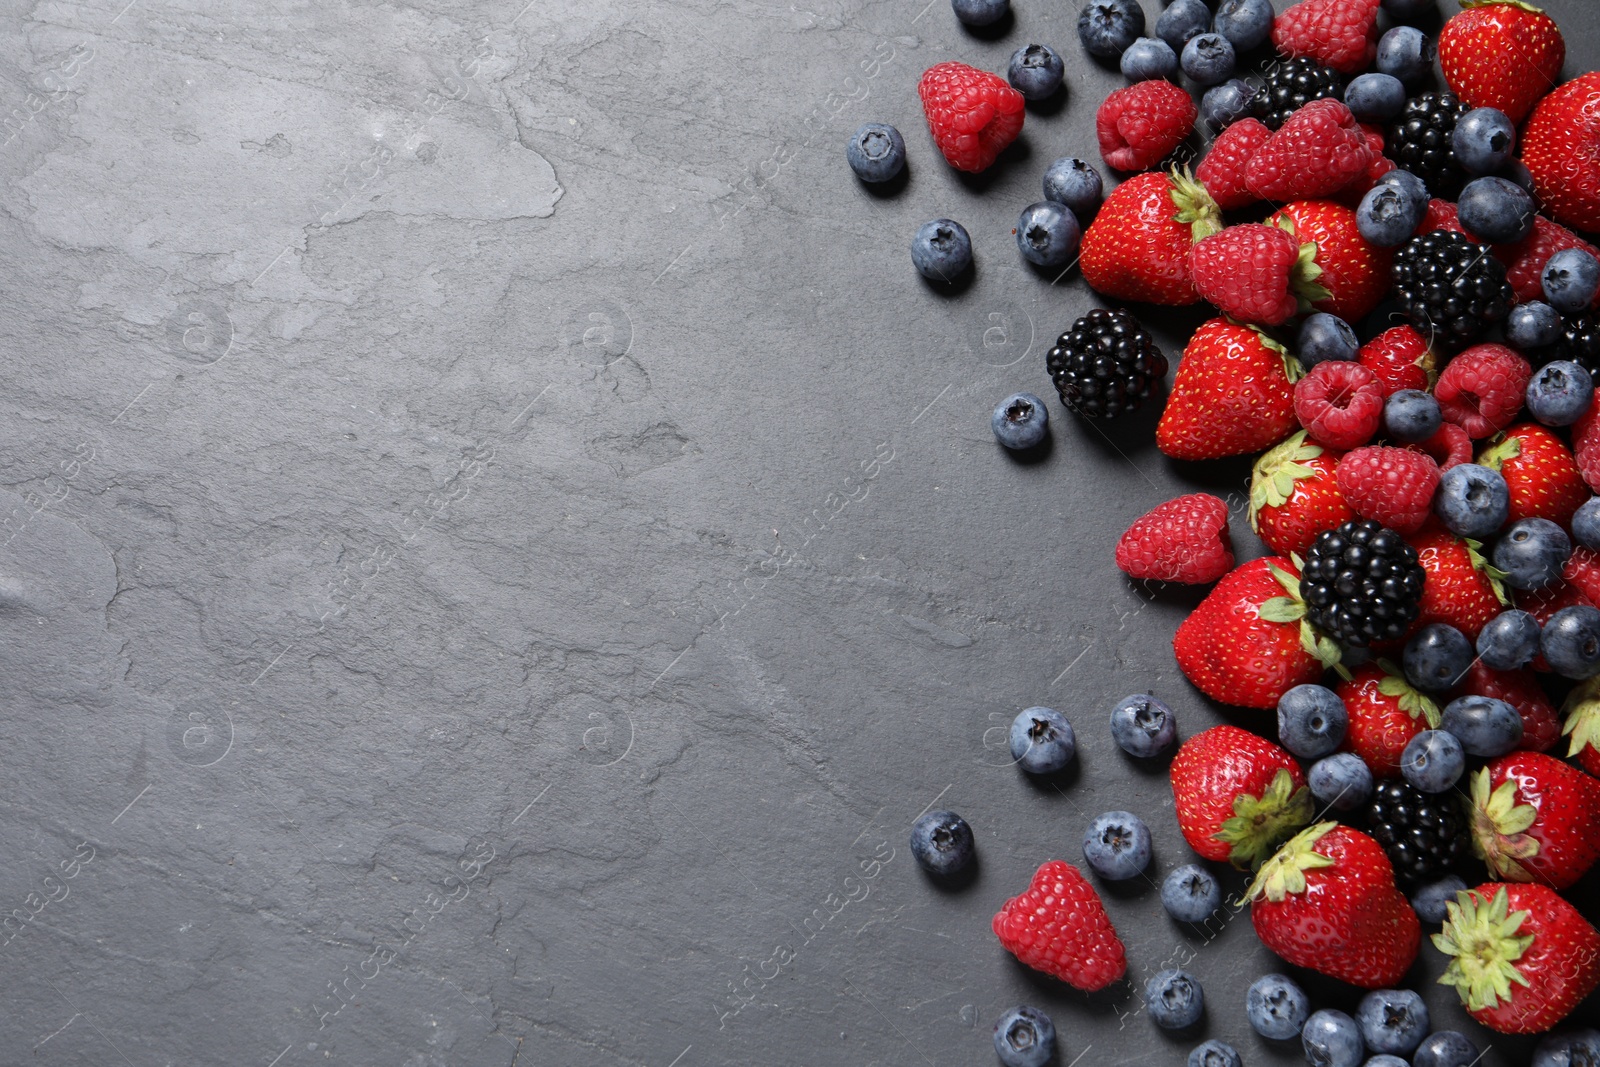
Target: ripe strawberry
{"points": [[1294, 496], [1448, 446], [1586, 446], [1222, 169], [1535, 819], [1481, 390], [1327, 902], [1540, 725], [1525, 260], [1521, 958], [1540, 472], [1582, 725], [1385, 713], [1184, 540], [1141, 124], [1342, 34], [1317, 152], [1137, 247], [1356, 273], [1503, 55], [1561, 147], [1394, 486], [1462, 589], [1059, 926], [1232, 394], [1256, 273], [1340, 403], [1248, 642], [1401, 358], [972, 114], [1237, 796]]}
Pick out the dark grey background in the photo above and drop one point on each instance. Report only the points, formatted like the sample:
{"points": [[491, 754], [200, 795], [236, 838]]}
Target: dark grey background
{"points": [[495, 525]]}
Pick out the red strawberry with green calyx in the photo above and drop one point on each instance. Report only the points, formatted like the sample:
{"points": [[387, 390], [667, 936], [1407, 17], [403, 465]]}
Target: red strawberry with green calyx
{"points": [[1355, 272], [1237, 796], [1462, 589], [1540, 471], [1385, 712], [1582, 725], [1294, 495], [1503, 54], [1535, 819], [1233, 394], [1137, 247]]}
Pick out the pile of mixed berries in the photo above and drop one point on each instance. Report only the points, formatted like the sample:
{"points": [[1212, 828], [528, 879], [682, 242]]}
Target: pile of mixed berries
{"points": [[1406, 337]]}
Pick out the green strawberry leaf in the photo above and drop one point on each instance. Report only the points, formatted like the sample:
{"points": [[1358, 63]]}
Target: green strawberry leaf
{"points": [[1303, 277], [1195, 206], [1412, 701], [1496, 576], [1480, 937], [1582, 711], [1500, 828], [1285, 872], [1260, 824], [1502, 449], [1282, 609]]}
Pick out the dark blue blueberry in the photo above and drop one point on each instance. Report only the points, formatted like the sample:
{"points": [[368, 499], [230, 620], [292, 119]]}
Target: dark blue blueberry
{"points": [[1208, 59], [1571, 278], [1223, 105], [1570, 642], [1117, 845], [941, 842], [1410, 415], [1143, 726], [941, 250], [1407, 181], [1483, 140], [1108, 27], [1559, 393], [1383, 1059], [1025, 1037], [1533, 326], [980, 12], [1517, 173], [1036, 71], [1485, 726], [1190, 894], [1390, 212], [1496, 210], [1042, 741], [1406, 53], [1048, 234], [1375, 97], [1472, 500], [1437, 657], [1332, 1039], [1276, 1006], [1570, 1048], [1532, 553], [1020, 421], [1429, 904], [1075, 183], [1392, 1021], [1433, 761], [1410, 9], [1322, 337], [1245, 23], [1214, 1053], [1149, 59], [1182, 22], [1175, 999], [1311, 721], [1510, 640], [1341, 781], [876, 153], [1586, 524]]}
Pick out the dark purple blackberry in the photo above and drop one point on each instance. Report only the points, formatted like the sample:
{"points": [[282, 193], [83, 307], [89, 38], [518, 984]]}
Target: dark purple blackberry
{"points": [[1451, 288], [1580, 341], [1361, 583], [1290, 85], [1425, 835], [1106, 365], [1419, 141]]}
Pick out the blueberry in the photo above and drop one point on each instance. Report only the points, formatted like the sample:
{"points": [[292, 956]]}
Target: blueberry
{"points": [[1143, 726], [1375, 97], [1445, 1048], [1571, 642], [1559, 393], [1437, 657], [1430, 901], [1532, 553], [1322, 337], [1572, 1048], [1392, 1020], [1340, 781], [1311, 721], [1208, 59], [1117, 845], [1483, 140], [1025, 1037], [1276, 1006], [1495, 210], [1048, 234], [941, 842], [1510, 640], [1383, 1059], [1190, 894], [1517, 173], [1533, 326], [1245, 23], [1042, 741], [1149, 59], [876, 153], [1182, 22], [1108, 27], [1570, 278], [1332, 1039], [1223, 105], [1020, 421], [1410, 415], [1036, 71], [1214, 1053], [1586, 524], [1472, 500], [1407, 181], [1405, 53], [1175, 999], [1390, 212], [1075, 183], [1433, 761], [1485, 726], [980, 12], [941, 250]]}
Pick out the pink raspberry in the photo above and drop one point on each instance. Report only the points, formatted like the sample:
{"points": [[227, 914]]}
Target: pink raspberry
{"points": [[1139, 126], [1340, 403], [1222, 169], [1448, 446], [1390, 485], [1481, 390]]}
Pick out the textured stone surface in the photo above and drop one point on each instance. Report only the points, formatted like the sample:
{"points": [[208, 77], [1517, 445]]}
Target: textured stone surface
{"points": [[500, 546]]}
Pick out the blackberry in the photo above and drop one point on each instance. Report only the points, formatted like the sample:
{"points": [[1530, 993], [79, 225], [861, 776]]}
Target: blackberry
{"points": [[1290, 85], [1424, 835], [1451, 287], [1420, 141], [1106, 365], [1580, 341], [1361, 583]]}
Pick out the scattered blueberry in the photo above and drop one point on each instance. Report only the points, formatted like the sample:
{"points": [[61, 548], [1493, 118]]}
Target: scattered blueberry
{"points": [[1149, 59], [1190, 894], [1533, 326], [1375, 97], [1570, 642], [1182, 22], [1245, 23], [1020, 421], [1340, 781], [1042, 741], [1117, 845], [1108, 27], [1048, 234], [941, 842], [1571, 277], [1075, 183], [876, 153], [1495, 210], [1223, 105], [1311, 721], [1276, 1006], [980, 12], [1586, 524], [1572, 1048], [1025, 1037], [1485, 726], [1405, 53], [1532, 553], [1446, 1048], [1036, 71], [1559, 393], [1332, 1039], [1410, 415], [1472, 500], [1437, 657], [1175, 999], [1208, 59], [1429, 904], [1390, 212], [1392, 1020], [1322, 337], [1483, 140], [1143, 726], [1510, 640], [941, 250], [1214, 1053], [1433, 761]]}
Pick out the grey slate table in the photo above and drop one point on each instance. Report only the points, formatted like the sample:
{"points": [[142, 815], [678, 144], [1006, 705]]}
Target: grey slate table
{"points": [[500, 546]]}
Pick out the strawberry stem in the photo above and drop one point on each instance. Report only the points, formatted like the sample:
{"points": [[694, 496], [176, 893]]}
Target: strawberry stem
{"points": [[1481, 940], [1194, 205], [1582, 710], [1499, 828], [1260, 824], [1285, 872]]}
